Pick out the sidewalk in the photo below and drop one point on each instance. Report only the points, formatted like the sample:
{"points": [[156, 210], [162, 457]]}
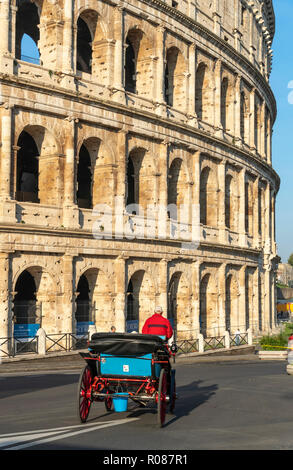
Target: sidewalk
{"points": [[73, 361]]}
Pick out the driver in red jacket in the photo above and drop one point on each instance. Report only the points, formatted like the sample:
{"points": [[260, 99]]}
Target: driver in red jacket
{"points": [[158, 325]]}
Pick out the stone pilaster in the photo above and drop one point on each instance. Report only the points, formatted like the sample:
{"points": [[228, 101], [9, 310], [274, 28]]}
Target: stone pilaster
{"points": [[217, 99], [160, 71], [68, 324], [5, 304], [252, 120], [222, 298], [118, 87], [7, 207], [120, 293], [242, 231], [195, 298], [221, 201], [68, 37], [70, 209], [163, 285]]}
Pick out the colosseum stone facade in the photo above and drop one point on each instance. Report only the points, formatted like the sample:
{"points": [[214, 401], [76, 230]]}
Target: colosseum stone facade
{"points": [[153, 103]]}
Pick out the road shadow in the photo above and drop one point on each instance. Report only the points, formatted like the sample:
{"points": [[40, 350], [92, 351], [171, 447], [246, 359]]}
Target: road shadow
{"points": [[190, 396]]}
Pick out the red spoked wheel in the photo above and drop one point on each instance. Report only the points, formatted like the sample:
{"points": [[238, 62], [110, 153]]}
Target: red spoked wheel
{"points": [[162, 402], [84, 392], [108, 402]]}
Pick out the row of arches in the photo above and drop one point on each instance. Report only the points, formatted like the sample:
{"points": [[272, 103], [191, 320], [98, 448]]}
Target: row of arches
{"points": [[139, 71], [93, 302], [37, 164]]}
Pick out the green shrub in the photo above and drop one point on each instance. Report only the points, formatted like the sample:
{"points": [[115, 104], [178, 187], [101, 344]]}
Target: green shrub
{"points": [[277, 342]]}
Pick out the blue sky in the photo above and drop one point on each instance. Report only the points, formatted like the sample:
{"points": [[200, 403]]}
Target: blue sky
{"points": [[282, 75]]}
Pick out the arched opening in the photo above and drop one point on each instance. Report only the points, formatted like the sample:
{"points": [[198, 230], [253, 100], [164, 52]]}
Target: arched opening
{"points": [[208, 198], [208, 306], [224, 91], [140, 300], [84, 179], [175, 79], [138, 63], [231, 304], [132, 319], [131, 184], [177, 189], [27, 169], [83, 314], [179, 311], [84, 47], [249, 208], [203, 95], [130, 68], [244, 117], [27, 32], [140, 187], [231, 203], [227, 105], [27, 315]]}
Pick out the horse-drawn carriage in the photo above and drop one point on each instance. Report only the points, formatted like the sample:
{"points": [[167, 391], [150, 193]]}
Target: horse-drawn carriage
{"points": [[122, 367]]}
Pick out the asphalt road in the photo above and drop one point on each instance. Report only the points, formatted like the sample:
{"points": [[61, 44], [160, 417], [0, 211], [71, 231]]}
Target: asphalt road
{"points": [[237, 405]]}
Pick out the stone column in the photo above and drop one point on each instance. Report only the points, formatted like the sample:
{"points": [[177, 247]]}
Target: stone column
{"points": [[6, 152], [255, 190], [121, 183], [67, 323], [163, 226], [160, 71], [70, 209], [221, 199], [195, 298], [242, 300], [163, 285], [262, 131], [118, 87], [256, 306], [242, 231], [5, 304], [7, 207], [120, 291], [5, 27], [237, 119], [68, 37], [217, 99], [191, 102], [252, 120], [267, 214], [222, 298]]}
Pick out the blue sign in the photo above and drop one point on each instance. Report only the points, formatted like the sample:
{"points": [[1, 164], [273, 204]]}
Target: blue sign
{"points": [[82, 327], [132, 325], [25, 330]]}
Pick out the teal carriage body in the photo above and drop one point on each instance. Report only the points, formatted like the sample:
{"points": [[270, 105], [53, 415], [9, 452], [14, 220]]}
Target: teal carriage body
{"points": [[123, 367]]}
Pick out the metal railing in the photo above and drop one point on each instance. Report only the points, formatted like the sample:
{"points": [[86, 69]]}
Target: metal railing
{"points": [[186, 346], [215, 342], [66, 342], [239, 339], [11, 347]]}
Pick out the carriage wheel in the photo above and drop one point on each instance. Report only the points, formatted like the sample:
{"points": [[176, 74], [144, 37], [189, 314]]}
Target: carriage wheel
{"points": [[84, 394], [162, 403], [108, 403], [172, 392]]}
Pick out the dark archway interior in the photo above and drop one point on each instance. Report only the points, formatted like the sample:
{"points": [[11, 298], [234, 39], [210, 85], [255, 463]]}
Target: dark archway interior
{"points": [[131, 314], [84, 47], [25, 299], [83, 300], [130, 183], [27, 169], [27, 21], [130, 72], [84, 179]]}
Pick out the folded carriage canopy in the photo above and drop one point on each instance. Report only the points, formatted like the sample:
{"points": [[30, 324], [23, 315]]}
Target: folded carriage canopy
{"points": [[125, 344]]}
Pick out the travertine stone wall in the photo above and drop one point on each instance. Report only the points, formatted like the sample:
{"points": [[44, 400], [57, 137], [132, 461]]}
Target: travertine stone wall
{"points": [[172, 105]]}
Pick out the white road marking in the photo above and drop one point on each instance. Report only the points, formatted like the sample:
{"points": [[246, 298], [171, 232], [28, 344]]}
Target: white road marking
{"points": [[13, 440]]}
